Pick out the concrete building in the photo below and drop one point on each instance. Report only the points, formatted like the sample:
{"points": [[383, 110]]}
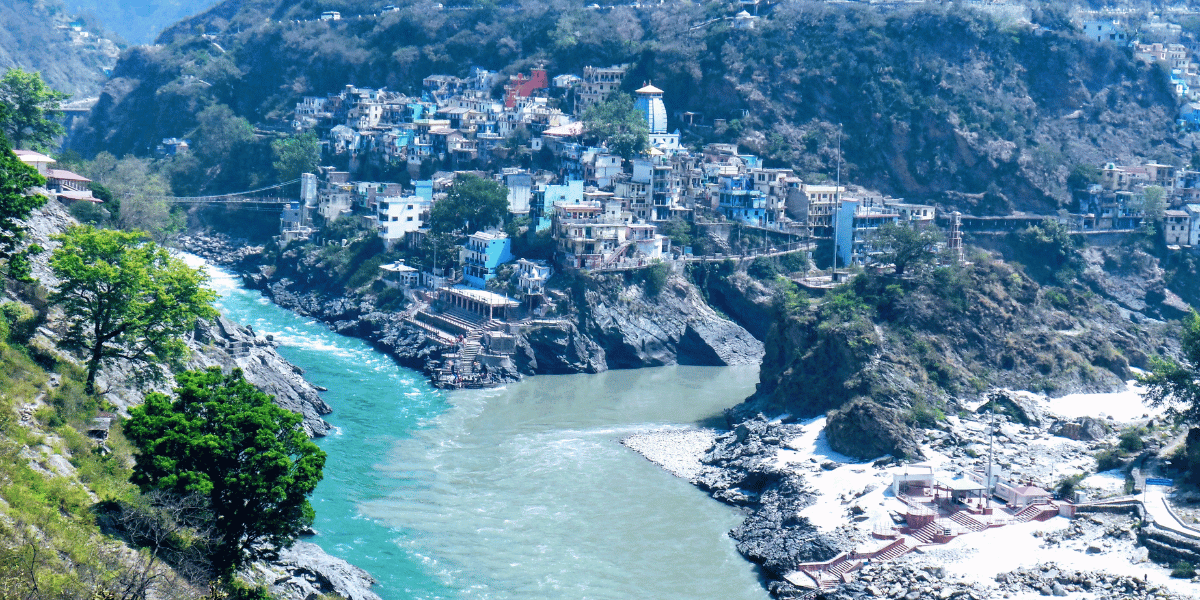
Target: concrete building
{"points": [[398, 274], [1193, 213], [532, 276], [650, 102], [1177, 228], [483, 253], [396, 216]]}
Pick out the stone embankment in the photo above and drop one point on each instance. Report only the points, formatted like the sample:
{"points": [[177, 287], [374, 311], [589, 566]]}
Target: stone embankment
{"points": [[919, 580], [606, 322]]}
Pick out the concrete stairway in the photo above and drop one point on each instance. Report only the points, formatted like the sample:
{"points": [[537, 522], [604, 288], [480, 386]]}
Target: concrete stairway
{"points": [[968, 522]]}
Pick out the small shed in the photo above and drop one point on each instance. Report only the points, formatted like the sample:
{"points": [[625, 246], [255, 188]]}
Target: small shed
{"points": [[398, 274], [99, 427]]}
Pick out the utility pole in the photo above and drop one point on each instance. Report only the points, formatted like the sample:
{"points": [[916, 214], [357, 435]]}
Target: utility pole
{"points": [[837, 205]]}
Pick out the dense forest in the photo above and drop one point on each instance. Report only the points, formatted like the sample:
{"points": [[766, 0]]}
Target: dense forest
{"points": [[938, 103]]}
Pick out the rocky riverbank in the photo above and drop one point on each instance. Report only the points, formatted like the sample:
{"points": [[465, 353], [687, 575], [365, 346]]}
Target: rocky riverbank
{"points": [[604, 322], [805, 502], [302, 571]]}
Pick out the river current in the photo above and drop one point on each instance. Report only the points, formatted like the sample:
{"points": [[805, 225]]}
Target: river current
{"points": [[513, 493]]}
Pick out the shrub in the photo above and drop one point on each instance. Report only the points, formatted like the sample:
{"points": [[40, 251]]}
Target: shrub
{"points": [[762, 269], [1131, 439], [1057, 299], [1067, 486], [654, 277], [1107, 460], [21, 320], [923, 414], [1183, 570], [794, 262]]}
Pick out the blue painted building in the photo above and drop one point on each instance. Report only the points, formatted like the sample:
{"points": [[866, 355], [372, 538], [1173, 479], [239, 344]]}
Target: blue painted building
{"points": [[483, 253], [739, 201]]}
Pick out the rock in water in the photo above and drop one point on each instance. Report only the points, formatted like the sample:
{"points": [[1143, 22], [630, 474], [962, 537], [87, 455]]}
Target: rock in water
{"points": [[305, 571]]}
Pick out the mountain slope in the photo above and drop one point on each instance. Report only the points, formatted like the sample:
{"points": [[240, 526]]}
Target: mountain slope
{"points": [[34, 35], [138, 21], [937, 103]]}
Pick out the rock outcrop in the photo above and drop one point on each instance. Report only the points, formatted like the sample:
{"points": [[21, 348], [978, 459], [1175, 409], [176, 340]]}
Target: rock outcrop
{"points": [[305, 572], [605, 322], [889, 353], [740, 470], [676, 326]]}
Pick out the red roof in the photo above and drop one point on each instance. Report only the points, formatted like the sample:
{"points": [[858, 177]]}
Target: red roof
{"points": [[64, 175], [82, 196]]}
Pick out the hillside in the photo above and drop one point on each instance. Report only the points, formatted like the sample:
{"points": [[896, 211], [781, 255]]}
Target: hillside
{"points": [[908, 86], [138, 21], [34, 36], [884, 354]]}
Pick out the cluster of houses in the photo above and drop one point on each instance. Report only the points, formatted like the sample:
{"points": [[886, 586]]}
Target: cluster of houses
{"points": [[603, 211], [1176, 58], [1118, 202]]}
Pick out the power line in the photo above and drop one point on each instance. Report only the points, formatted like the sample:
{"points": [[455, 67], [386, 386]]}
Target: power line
{"points": [[232, 197]]}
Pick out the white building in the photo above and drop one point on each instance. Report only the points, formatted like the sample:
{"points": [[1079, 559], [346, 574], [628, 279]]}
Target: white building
{"points": [[398, 216], [650, 102], [1193, 213]]}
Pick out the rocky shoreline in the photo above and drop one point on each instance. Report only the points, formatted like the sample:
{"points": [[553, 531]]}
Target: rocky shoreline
{"points": [[611, 324], [305, 570], [805, 503]]}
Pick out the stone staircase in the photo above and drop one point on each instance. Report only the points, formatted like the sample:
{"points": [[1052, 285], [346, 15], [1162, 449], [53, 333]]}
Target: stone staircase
{"points": [[1036, 512], [893, 552], [925, 534], [968, 522], [470, 350]]}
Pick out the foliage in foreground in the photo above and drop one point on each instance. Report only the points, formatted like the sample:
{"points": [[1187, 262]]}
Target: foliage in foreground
{"points": [[224, 440], [126, 298]]}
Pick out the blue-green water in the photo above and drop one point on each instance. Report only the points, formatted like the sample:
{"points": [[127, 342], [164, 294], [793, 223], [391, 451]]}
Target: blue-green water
{"points": [[511, 493]]}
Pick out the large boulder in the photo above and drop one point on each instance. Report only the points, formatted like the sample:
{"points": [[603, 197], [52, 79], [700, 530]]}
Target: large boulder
{"points": [[867, 430]]}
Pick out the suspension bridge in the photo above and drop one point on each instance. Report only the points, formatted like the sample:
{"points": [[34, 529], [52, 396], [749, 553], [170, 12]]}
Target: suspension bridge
{"points": [[255, 197]]}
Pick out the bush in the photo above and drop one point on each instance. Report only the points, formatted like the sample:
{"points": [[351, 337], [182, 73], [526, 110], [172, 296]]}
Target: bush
{"points": [[654, 277], [1067, 486], [922, 414], [21, 320], [1131, 439], [762, 269], [1107, 460], [1057, 299], [1183, 570], [794, 262]]}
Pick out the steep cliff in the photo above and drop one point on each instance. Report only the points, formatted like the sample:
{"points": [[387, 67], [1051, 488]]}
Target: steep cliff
{"points": [[609, 322], [217, 343], [884, 354]]}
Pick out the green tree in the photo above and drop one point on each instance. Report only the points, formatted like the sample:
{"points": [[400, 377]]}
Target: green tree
{"points": [[1154, 206], [1176, 385], [1049, 251], [906, 246], [135, 194], [16, 203], [220, 132], [473, 203], [619, 124], [296, 154], [224, 440], [1082, 176], [28, 110], [126, 298]]}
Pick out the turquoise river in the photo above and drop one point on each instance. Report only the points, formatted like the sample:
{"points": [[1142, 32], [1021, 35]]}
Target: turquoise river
{"points": [[514, 493]]}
